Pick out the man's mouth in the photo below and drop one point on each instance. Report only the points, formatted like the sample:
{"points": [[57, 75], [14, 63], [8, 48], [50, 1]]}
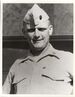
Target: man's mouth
{"points": [[37, 40]]}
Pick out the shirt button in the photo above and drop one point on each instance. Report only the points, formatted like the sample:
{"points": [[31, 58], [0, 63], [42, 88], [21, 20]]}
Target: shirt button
{"points": [[44, 67]]}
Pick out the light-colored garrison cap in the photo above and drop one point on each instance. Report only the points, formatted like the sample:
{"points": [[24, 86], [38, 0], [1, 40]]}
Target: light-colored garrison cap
{"points": [[35, 16]]}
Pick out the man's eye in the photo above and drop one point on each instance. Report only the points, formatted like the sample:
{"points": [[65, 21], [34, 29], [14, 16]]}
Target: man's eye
{"points": [[31, 30], [42, 29]]}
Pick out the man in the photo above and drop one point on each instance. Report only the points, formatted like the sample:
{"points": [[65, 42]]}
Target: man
{"points": [[45, 70]]}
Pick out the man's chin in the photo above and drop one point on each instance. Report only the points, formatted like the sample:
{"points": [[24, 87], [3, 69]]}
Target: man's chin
{"points": [[38, 48]]}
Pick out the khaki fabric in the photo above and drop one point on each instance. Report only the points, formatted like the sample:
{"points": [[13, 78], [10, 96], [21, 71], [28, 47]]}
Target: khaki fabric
{"points": [[49, 73]]}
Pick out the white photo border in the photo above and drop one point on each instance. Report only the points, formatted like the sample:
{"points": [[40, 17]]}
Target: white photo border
{"points": [[1, 18]]}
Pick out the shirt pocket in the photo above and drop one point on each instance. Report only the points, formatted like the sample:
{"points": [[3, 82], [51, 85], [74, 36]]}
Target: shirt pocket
{"points": [[59, 85]]}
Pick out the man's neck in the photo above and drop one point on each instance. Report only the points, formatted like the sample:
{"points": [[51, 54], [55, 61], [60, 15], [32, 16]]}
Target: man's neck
{"points": [[39, 52]]}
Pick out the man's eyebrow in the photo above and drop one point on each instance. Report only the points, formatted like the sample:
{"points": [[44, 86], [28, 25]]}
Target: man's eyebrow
{"points": [[31, 30], [41, 29]]}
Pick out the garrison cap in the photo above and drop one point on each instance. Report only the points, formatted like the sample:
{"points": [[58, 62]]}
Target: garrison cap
{"points": [[35, 16]]}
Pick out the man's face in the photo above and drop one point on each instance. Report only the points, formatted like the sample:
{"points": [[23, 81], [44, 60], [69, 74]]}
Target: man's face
{"points": [[38, 36]]}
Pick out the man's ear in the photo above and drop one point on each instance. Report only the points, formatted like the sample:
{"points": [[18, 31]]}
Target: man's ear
{"points": [[50, 29], [24, 33]]}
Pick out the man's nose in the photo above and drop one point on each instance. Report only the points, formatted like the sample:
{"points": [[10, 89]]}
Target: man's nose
{"points": [[36, 33]]}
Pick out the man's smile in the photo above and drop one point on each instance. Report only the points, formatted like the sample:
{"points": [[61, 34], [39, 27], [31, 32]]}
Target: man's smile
{"points": [[37, 40]]}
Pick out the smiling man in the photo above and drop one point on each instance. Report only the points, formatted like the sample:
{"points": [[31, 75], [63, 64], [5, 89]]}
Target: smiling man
{"points": [[45, 70]]}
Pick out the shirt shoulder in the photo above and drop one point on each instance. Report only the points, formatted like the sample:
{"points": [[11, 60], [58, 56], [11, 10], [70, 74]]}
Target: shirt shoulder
{"points": [[66, 59], [16, 64], [64, 54]]}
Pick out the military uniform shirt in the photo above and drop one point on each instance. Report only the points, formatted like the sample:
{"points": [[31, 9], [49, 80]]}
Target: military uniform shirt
{"points": [[47, 74]]}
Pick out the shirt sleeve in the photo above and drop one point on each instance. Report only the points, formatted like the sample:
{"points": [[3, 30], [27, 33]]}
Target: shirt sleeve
{"points": [[7, 84], [68, 59], [10, 77]]}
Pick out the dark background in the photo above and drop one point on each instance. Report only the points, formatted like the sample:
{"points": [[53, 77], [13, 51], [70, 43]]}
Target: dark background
{"points": [[15, 45]]}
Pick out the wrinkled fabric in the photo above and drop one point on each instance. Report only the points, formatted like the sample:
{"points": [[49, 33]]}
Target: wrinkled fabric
{"points": [[49, 73]]}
